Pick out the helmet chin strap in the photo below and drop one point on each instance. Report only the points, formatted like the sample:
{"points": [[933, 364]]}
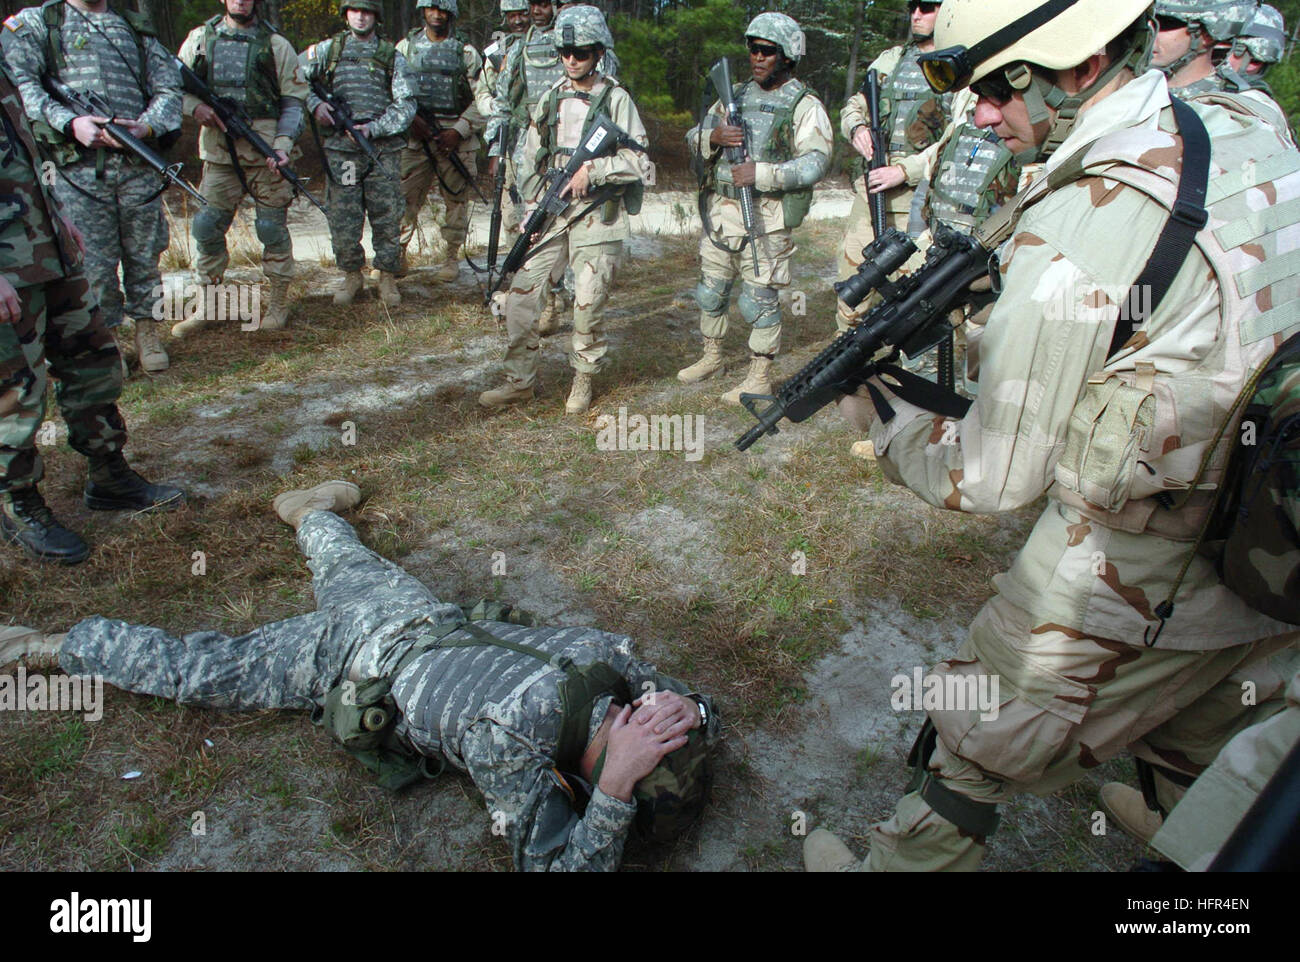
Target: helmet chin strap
{"points": [[1193, 51]]}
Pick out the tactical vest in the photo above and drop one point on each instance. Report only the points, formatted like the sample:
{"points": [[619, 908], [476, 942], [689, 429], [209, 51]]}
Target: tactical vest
{"points": [[911, 125], [240, 65], [1250, 244], [535, 71], [550, 152], [441, 80], [961, 195], [83, 68], [350, 71], [769, 122]]}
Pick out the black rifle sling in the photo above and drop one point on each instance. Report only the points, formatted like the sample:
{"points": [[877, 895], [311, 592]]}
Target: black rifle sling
{"points": [[1186, 220]]}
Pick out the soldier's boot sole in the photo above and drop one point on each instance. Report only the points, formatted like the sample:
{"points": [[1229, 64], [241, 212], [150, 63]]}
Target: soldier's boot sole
{"points": [[34, 648]]}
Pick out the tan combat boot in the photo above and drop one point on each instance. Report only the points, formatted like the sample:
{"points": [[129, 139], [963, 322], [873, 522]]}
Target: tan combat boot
{"points": [[757, 381], [508, 393], [276, 315], [33, 648], [548, 322], [823, 852], [864, 450], [293, 506], [706, 366], [1128, 809], [580, 395], [388, 292], [348, 290], [449, 269], [197, 316], [148, 347]]}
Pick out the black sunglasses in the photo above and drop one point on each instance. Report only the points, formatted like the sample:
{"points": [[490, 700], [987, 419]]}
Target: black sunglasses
{"points": [[923, 6], [763, 49], [577, 53], [1164, 22], [995, 88]]}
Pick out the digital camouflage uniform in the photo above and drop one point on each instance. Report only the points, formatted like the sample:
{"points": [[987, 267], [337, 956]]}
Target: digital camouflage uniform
{"points": [[448, 80], [494, 59], [790, 140], [591, 244], [61, 322], [914, 120], [108, 194], [1220, 797], [358, 187], [1065, 631], [259, 70], [489, 712]]}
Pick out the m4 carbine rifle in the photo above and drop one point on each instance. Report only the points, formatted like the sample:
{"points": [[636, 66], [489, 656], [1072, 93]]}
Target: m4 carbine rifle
{"points": [[602, 137], [720, 76], [237, 124], [498, 192], [343, 119], [912, 318], [879, 154], [93, 104], [453, 158]]}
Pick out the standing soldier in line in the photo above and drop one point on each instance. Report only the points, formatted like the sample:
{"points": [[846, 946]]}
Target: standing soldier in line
{"points": [[1089, 660], [531, 68], [243, 58], [913, 121], [48, 314], [789, 151], [448, 78], [515, 13], [590, 234], [370, 75], [115, 199]]}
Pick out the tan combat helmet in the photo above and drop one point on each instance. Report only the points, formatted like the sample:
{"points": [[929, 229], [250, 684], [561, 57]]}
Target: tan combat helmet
{"points": [[1004, 39]]}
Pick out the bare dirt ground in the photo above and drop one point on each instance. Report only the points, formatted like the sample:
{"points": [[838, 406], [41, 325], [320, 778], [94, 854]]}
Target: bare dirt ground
{"points": [[693, 559]]}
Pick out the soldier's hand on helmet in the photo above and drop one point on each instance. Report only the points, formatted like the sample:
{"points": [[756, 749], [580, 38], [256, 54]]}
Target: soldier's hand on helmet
{"points": [[886, 178], [206, 116], [858, 410], [279, 160], [89, 132], [11, 309], [448, 141], [634, 751], [862, 142], [579, 185], [324, 115], [744, 175], [669, 712], [726, 135]]}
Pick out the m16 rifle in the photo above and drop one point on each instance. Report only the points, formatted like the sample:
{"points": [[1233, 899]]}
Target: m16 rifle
{"points": [[238, 125], [93, 104], [602, 137], [453, 158], [879, 154], [912, 318], [720, 77], [344, 119], [498, 195]]}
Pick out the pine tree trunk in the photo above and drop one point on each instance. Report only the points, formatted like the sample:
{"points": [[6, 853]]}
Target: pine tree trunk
{"points": [[851, 78]]}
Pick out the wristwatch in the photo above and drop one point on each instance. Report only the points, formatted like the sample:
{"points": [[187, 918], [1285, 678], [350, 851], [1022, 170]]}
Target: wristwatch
{"points": [[704, 711]]}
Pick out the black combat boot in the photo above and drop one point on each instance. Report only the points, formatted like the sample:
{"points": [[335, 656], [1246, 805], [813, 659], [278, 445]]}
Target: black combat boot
{"points": [[114, 486], [25, 520]]}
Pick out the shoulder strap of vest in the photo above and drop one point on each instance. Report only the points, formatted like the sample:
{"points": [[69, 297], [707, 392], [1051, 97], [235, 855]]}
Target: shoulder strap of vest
{"points": [[332, 58]]}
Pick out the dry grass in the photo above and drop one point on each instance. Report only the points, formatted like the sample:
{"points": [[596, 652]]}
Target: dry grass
{"points": [[448, 485]]}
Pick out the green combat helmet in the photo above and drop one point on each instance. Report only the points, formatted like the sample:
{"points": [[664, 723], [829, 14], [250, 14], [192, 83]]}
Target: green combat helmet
{"points": [[448, 5], [781, 30], [672, 797], [1263, 38], [374, 6], [581, 25], [514, 6]]}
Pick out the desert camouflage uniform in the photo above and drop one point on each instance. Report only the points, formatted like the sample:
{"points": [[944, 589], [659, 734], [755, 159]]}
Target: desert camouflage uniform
{"points": [[359, 187], [1220, 797], [788, 164], [275, 110], [1065, 630], [436, 95], [592, 244], [60, 323], [915, 120], [120, 221], [490, 712]]}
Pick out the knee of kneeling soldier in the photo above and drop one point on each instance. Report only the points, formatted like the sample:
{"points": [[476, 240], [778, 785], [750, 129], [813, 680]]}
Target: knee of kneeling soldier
{"points": [[713, 294], [272, 227], [760, 306]]}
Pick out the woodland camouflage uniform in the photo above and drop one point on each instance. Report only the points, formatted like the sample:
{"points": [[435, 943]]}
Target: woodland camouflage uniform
{"points": [[490, 712]]}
